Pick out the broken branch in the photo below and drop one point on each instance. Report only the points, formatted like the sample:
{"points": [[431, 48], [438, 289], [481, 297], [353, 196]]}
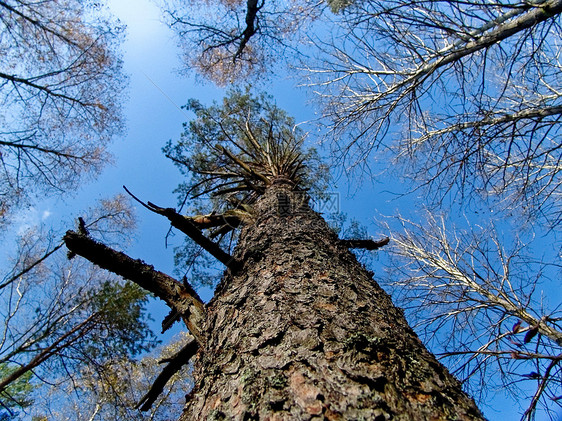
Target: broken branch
{"points": [[186, 226], [175, 363], [178, 296], [365, 244]]}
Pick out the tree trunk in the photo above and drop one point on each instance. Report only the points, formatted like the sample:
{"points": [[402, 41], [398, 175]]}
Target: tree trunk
{"points": [[301, 331]]}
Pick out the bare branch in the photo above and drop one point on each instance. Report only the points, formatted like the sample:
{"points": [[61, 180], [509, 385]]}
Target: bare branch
{"points": [[251, 25], [48, 352], [365, 244], [57, 70], [476, 301], [175, 363], [471, 91]]}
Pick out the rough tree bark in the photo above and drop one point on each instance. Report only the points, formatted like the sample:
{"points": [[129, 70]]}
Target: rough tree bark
{"points": [[301, 331], [297, 328]]}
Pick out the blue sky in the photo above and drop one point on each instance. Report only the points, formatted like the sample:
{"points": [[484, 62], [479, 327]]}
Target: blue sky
{"points": [[153, 117]]}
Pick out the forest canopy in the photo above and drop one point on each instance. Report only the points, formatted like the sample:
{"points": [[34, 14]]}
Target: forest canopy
{"points": [[452, 106], [61, 87]]}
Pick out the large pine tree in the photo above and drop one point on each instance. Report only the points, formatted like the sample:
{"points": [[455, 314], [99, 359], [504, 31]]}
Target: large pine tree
{"points": [[297, 328]]}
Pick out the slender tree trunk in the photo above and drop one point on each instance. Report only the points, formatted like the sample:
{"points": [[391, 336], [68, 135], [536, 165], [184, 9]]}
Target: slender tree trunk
{"points": [[300, 331]]}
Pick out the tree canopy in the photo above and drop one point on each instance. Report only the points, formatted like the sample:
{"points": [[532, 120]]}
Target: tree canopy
{"points": [[236, 147], [462, 99], [61, 87], [466, 94], [232, 40], [61, 316]]}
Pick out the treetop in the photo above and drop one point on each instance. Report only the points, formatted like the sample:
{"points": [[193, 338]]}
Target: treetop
{"points": [[233, 150]]}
